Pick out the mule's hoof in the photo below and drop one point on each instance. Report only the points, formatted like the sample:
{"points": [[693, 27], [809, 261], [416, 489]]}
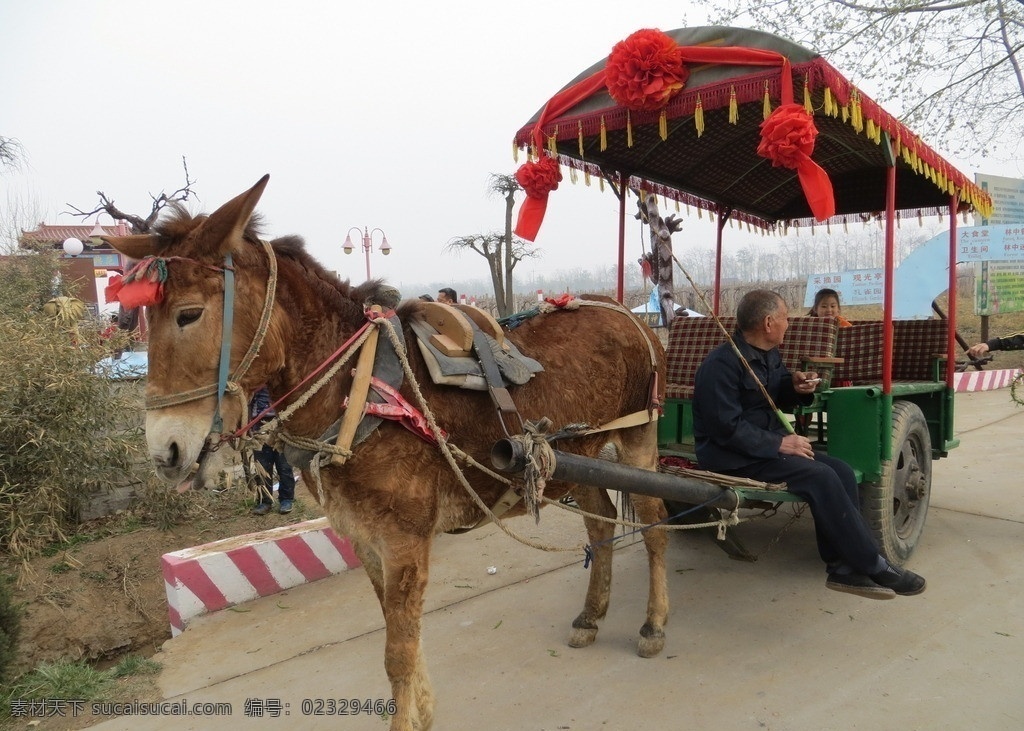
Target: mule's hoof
{"points": [[582, 636], [652, 641]]}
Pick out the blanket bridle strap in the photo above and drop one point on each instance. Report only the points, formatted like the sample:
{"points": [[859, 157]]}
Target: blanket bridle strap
{"points": [[358, 392]]}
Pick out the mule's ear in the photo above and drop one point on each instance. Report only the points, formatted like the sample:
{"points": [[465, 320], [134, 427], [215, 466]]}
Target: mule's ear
{"points": [[134, 247], [229, 221]]}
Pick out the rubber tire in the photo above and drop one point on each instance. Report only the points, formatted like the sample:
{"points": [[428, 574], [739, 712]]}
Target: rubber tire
{"points": [[897, 506]]}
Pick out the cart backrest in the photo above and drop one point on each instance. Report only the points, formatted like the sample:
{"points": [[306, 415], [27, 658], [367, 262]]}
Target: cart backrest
{"points": [[690, 340], [918, 347]]}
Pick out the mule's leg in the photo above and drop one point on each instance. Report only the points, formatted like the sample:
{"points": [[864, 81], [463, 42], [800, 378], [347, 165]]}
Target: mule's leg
{"points": [[639, 449], [651, 510], [373, 567], [405, 581], [595, 606]]}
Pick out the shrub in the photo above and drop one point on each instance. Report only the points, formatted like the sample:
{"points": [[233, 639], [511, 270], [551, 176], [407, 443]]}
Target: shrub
{"points": [[10, 627], [65, 431]]}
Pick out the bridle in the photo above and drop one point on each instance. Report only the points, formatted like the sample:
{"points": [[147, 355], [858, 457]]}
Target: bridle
{"points": [[226, 385]]}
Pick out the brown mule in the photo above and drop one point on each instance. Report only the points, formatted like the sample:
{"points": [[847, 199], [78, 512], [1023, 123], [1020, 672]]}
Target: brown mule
{"points": [[395, 492]]}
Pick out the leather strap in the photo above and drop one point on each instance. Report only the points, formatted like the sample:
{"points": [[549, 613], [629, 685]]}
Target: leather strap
{"points": [[492, 374]]}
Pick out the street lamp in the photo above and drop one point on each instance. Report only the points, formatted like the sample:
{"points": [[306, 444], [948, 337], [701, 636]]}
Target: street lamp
{"points": [[73, 246], [385, 247]]}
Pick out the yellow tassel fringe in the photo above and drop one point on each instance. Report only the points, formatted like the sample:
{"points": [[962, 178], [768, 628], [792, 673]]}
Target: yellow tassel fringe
{"points": [[698, 117], [734, 110]]}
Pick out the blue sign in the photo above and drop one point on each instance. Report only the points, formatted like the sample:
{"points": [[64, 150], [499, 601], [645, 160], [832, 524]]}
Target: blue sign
{"points": [[855, 287]]}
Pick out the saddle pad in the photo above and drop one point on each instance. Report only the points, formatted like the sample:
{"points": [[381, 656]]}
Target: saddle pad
{"points": [[465, 372]]}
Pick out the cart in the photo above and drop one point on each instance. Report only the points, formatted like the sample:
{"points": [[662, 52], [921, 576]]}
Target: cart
{"points": [[887, 399]]}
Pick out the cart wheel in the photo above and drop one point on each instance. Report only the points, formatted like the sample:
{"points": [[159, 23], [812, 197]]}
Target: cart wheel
{"points": [[896, 508]]}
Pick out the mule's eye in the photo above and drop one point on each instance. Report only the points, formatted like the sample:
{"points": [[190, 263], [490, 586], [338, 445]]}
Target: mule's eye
{"points": [[187, 317]]}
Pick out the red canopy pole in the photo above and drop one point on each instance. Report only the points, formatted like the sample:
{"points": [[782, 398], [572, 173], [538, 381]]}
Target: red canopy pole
{"points": [[620, 283], [951, 308], [890, 246]]}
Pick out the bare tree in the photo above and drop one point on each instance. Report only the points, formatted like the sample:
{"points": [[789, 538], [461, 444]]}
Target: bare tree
{"points": [[139, 224], [12, 154], [501, 250], [952, 64]]}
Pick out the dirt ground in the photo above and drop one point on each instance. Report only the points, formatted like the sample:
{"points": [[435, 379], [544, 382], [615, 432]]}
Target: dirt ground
{"points": [[102, 596]]}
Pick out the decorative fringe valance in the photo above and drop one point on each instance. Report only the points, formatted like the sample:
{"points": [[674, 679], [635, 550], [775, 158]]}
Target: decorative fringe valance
{"points": [[840, 99]]}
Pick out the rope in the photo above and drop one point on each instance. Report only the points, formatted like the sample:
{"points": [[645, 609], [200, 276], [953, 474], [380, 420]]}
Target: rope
{"points": [[542, 460], [764, 392], [540, 463]]}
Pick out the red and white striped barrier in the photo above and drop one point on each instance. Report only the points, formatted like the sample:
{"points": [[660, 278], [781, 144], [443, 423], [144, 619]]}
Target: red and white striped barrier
{"points": [[224, 573], [984, 380]]}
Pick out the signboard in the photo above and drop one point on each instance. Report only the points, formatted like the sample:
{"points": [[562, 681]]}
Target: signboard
{"points": [[999, 287], [1007, 198], [855, 287], [924, 274]]}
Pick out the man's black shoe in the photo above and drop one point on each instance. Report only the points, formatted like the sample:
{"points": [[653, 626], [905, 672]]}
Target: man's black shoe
{"points": [[902, 581], [860, 585]]}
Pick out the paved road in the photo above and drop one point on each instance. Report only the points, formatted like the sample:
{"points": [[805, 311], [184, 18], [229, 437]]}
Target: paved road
{"points": [[750, 646]]}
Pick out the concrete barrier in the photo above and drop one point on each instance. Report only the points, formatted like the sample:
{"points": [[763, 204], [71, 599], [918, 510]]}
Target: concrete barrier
{"points": [[234, 570], [984, 380]]}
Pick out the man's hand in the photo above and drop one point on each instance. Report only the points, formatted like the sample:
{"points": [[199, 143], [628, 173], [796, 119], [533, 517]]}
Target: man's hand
{"points": [[977, 350], [805, 382], [796, 445]]}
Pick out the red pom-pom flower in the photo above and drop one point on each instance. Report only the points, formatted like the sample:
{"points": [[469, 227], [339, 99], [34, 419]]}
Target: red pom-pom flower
{"points": [[539, 178], [787, 139], [645, 70], [787, 136]]}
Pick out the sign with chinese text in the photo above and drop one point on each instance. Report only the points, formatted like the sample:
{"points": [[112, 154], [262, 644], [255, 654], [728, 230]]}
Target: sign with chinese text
{"points": [[855, 287], [1007, 198]]}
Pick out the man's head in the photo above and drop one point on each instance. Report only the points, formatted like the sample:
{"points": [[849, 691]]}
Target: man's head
{"points": [[763, 317], [447, 295]]}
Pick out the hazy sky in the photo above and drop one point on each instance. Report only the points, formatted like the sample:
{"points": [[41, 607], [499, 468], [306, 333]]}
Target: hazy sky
{"points": [[386, 114]]}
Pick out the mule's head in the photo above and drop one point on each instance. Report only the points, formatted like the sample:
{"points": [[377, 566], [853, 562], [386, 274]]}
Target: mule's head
{"points": [[186, 327]]}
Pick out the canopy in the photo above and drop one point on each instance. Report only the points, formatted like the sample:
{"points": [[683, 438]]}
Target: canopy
{"points": [[701, 148]]}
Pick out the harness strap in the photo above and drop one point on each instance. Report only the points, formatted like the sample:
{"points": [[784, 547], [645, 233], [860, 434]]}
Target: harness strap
{"points": [[357, 393], [495, 383], [225, 341], [505, 503]]}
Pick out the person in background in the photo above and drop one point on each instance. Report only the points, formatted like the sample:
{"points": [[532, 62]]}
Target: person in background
{"points": [[738, 432], [826, 304], [426, 298], [447, 296], [1009, 342], [270, 459]]}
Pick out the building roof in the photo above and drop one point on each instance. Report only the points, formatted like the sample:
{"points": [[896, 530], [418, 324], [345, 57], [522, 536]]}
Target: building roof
{"points": [[54, 235]]}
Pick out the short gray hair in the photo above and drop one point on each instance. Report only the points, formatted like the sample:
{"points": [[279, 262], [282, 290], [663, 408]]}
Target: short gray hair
{"points": [[756, 305]]}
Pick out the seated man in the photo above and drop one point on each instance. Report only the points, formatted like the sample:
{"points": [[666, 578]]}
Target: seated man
{"points": [[738, 433]]}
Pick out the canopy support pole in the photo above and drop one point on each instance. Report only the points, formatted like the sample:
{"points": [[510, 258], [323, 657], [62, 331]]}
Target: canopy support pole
{"points": [[890, 246], [620, 283], [951, 305]]}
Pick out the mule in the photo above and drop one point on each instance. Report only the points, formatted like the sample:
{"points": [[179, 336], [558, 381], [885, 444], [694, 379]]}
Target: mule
{"points": [[394, 492]]}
